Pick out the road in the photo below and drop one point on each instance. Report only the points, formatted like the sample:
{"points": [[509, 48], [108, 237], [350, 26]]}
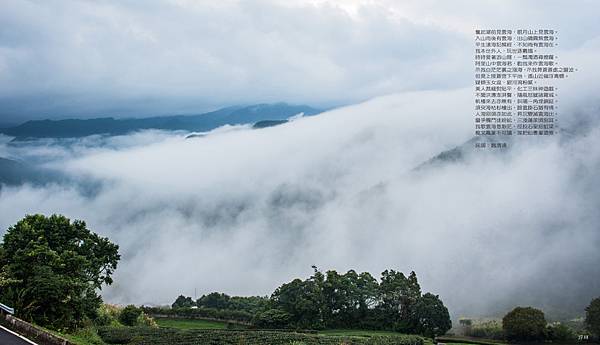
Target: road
{"points": [[8, 338]]}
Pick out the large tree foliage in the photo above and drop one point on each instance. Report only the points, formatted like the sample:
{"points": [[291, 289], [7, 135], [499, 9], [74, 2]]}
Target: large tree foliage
{"points": [[353, 300], [524, 324], [592, 316], [348, 297], [332, 300], [431, 317], [303, 301], [183, 302], [51, 268], [250, 304], [399, 295]]}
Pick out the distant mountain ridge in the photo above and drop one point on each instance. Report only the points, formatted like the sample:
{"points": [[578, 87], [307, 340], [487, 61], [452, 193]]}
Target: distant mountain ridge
{"points": [[72, 128], [13, 172]]}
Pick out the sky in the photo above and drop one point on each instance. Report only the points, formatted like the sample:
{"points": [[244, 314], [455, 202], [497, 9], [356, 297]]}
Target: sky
{"points": [[241, 211], [64, 59]]}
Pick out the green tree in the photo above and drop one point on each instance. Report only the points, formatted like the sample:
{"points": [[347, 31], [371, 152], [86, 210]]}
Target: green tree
{"points": [[183, 302], [214, 300], [398, 296], [251, 304], [51, 269], [303, 300], [353, 300], [129, 315], [348, 298], [592, 316], [431, 316], [524, 324]]}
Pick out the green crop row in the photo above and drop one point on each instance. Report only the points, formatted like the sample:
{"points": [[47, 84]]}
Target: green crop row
{"points": [[165, 336]]}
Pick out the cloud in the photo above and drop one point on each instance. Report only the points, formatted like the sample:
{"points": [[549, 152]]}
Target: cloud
{"points": [[246, 210], [242, 211], [81, 58]]}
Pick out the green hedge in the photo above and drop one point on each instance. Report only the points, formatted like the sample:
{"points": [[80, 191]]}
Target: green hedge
{"points": [[165, 336], [189, 313]]}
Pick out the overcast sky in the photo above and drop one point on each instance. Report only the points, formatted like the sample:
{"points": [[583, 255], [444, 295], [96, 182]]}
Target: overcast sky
{"points": [[129, 58]]}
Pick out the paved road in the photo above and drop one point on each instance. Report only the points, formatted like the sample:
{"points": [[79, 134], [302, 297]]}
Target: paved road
{"points": [[7, 338]]}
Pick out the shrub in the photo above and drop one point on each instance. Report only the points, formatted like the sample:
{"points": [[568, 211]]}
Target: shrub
{"points": [[144, 320], [489, 330], [201, 312], [107, 315], [561, 333], [272, 319], [524, 324], [129, 315]]}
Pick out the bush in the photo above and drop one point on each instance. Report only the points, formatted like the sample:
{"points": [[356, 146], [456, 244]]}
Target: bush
{"points": [[592, 317], [272, 319], [107, 315], [144, 320], [129, 315], [488, 330], [561, 333], [201, 312], [524, 324]]}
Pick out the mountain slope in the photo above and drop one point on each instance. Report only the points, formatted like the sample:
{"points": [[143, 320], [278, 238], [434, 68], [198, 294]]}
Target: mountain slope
{"points": [[15, 173], [195, 123]]}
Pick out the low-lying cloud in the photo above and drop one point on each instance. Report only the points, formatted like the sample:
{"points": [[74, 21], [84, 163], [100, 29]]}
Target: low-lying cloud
{"points": [[243, 211]]}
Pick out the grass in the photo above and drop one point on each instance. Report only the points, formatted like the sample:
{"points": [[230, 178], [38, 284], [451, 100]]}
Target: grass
{"points": [[84, 336], [192, 324]]}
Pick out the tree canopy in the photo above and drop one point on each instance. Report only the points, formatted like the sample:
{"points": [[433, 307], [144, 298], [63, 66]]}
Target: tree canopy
{"points": [[524, 323], [592, 316], [51, 268], [183, 302], [351, 300]]}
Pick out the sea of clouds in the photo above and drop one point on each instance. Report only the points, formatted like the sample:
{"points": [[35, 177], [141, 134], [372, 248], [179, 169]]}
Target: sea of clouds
{"points": [[242, 211]]}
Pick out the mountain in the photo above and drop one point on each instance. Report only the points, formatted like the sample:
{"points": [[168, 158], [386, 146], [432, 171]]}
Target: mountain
{"points": [[268, 123], [14, 172], [460, 153], [72, 128]]}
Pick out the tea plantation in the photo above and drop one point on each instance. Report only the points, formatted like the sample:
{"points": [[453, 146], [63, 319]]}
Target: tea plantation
{"points": [[166, 336]]}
